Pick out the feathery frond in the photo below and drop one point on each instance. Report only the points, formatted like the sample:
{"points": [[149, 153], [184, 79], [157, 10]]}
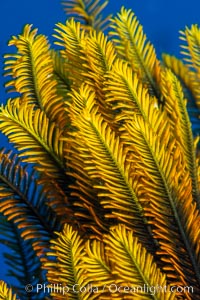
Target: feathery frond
{"points": [[166, 187], [61, 75], [100, 56], [66, 270], [114, 177], [28, 69], [100, 53], [88, 209], [5, 292], [88, 12], [38, 141], [184, 74], [97, 264], [126, 94], [190, 85], [191, 51], [23, 203], [117, 268], [175, 105], [134, 268], [89, 57], [132, 45], [31, 71], [34, 135], [70, 37], [22, 261]]}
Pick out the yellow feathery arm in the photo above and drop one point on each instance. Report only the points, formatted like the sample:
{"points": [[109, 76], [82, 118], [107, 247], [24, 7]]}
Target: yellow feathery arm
{"points": [[177, 66], [6, 293], [133, 46], [91, 214], [191, 50], [108, 165], [136, 273], [31, 71], [167, 195], [88, 209], [101, 55], [82, 99], [23, 203], [72, 39], [61, 74], [34, 135], [66, 270], [63, 86], [187, 76], [91, 60], [38, 141], [88, 12], [99, 269], [126, 94], [198, 174], [175, 105], [89, 56]]}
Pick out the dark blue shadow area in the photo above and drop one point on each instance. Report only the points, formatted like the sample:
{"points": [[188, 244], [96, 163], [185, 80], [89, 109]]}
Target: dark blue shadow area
{"points": [[161, 21]]}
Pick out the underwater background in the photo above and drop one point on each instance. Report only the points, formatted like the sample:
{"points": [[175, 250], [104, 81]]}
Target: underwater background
{"points": [[161, 21]]}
